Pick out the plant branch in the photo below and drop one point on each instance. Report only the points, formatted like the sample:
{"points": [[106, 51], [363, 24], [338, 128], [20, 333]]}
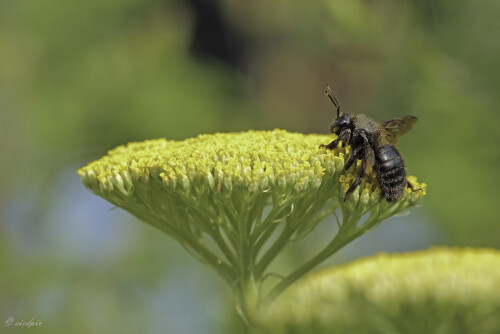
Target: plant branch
{"points": [[342, 238]]}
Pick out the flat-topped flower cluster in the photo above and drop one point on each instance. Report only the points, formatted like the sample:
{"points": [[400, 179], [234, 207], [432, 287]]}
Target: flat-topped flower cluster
{"points": [[256, 160], [445, 290]]}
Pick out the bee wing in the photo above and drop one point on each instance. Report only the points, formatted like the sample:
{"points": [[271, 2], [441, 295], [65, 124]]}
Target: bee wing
{"points": [[397, 127]]}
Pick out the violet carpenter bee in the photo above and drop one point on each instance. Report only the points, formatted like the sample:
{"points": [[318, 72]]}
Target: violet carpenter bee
{"points": [[368, 137]]}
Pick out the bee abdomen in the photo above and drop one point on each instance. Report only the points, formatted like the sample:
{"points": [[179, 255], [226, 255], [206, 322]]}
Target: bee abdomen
{"points": [[391, 173]]}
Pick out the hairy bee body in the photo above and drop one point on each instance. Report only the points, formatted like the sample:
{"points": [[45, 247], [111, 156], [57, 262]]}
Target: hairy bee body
{"points": [[365, 135], [391, 173]]}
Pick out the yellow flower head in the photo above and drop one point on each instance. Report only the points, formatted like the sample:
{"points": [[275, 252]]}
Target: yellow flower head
{"points": [[440, 290], [257, 161]]}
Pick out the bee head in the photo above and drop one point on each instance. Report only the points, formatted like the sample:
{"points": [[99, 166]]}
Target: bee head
{"points": [[341, 122]]}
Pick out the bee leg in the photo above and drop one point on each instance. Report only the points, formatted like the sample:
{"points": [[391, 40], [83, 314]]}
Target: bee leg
{"points": [[345, 136], [413, 189], [361, 174], [355, 155]]}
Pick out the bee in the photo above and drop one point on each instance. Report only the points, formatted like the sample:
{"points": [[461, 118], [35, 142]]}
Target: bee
{"points": [[370, 139]]}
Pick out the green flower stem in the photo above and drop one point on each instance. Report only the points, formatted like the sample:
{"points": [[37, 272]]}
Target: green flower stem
{"points": [[194, 247], [275, 249], [264, 237], [273, 217], [247, 296], [305, 217], [342, 238], [348, 231], [215, 232]]}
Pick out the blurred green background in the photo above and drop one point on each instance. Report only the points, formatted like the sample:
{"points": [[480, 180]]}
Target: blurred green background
{"points": [[79, 77]]}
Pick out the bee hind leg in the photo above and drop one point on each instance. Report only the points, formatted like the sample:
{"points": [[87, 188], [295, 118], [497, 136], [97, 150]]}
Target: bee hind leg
{"points": [[413, 189]]}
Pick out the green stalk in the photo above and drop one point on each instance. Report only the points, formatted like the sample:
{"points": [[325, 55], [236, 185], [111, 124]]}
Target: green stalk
{"points": [[337, 243]]}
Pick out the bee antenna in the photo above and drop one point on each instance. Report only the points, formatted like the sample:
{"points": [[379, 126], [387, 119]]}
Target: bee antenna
{"points": [[332, 98]]}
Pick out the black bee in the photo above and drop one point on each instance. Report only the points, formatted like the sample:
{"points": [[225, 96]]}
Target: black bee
{"points": [[366, 136]]}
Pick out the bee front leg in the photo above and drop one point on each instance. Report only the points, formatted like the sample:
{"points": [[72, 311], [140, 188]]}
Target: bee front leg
{"points": [[345, 136]]}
